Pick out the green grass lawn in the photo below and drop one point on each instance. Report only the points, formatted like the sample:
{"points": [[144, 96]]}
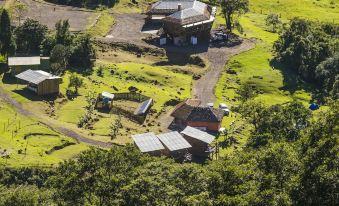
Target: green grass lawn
{"points": [[32, 150], [276, 86]]}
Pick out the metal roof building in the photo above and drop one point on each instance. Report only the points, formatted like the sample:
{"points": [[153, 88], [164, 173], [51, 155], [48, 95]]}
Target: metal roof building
{"points": [[20, 61], [198, 134], [173, 141], [41, 82], [144, 107], [148, 142]]}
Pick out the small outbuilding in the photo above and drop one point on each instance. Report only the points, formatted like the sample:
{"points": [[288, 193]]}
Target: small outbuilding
{"points": [[148, 143], [20, 64], [104, 101], [199, 140], [40, 82], [176, 146]]}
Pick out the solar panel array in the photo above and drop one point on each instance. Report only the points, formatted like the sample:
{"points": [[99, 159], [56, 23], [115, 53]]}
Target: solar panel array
{"points": [[174, 141], [147, 142], [198, 134], [142, 109]]}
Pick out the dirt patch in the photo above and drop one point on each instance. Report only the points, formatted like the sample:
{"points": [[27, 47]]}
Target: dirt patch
{"points": [[128, 28], [48, 14]]}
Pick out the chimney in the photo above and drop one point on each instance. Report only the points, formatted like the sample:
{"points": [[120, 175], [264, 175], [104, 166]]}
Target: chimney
{"points": [[179, 7]]}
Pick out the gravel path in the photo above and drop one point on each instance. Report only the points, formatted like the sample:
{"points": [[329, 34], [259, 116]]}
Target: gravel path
{"points": [[62, 130], [204, 87]]}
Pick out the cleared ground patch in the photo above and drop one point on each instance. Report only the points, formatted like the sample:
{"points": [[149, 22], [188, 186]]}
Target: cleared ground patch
{"points": [[48, 14]]}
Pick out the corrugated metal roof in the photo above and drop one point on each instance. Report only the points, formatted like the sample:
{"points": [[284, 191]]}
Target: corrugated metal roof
{"points": [[144, 106], [22, 61], [174, 141], [198, 134], [147, 142], [173, 4], [35, 76], [107, 95]]}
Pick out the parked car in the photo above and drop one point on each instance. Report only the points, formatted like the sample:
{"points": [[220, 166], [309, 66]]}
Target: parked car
{"points": [[210, 105], [225, 108]]}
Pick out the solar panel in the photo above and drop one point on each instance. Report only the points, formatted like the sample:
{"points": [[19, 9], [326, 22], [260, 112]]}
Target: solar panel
{"points": [[198, 134], [147, 142], [144, 106], [174, 141]]}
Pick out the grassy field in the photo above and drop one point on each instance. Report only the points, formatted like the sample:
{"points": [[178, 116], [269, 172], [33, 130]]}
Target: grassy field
{"points": [[155, 82], [159, 83], [276, 86], [29, 143], [102, 25]]}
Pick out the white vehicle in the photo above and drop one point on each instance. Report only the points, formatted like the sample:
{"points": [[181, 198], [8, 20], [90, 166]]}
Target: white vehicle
{"points": [[210, 105], [225, 108]]}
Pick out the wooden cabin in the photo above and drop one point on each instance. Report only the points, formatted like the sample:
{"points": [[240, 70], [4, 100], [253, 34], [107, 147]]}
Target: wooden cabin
{"points": [[183, 20], [20, 64], [175, 145], [40, 82], [199, 140], [190, 113], [148, 143]]}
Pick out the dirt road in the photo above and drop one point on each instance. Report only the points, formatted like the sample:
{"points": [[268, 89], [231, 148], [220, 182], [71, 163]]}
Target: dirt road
{"points": [[62, 130], [204, 87]]}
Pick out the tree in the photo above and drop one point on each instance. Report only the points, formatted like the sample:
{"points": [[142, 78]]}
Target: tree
{"points": [[47, 44], [7, 45], [19, 9], [115, 127], [319, 154], [231, 8], [273, 20], [327, 74], [59, 59], [63, 35], [82, 51], [303, 46], [246, 92], [29, 36], [75, 82]]}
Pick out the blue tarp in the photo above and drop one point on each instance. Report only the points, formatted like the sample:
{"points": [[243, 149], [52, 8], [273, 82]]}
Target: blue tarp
{"points": [[314, 106]]}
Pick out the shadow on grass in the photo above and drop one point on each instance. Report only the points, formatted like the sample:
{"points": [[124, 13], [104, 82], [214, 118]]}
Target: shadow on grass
{"points": [[294, 82], [32, 96]]}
